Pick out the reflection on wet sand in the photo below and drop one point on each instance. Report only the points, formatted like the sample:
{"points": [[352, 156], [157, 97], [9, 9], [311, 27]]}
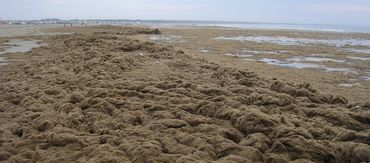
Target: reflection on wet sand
{"points": [[282, 40], [367, 51], [359, 58], [168, 39], [315, 59], [17, 45], [350, 85], [263, 52], [301, 65]]}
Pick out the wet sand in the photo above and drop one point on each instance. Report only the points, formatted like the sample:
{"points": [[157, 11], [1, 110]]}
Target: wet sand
{"points": [[25, 30], [325, 67], [105, 94]]}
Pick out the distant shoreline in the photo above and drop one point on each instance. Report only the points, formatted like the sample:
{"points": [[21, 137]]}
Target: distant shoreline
{"points": [[199, 23]]}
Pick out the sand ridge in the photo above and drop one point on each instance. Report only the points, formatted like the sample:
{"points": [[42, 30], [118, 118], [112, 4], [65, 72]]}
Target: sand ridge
{"points": [[101, 96]]}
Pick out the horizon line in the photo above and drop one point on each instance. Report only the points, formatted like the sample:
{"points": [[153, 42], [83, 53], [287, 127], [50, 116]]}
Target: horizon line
{"points": [[187, 20]]}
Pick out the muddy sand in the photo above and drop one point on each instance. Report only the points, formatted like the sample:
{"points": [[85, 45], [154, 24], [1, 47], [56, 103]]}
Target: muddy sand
{"points": [[331, 62], [101, 95]]}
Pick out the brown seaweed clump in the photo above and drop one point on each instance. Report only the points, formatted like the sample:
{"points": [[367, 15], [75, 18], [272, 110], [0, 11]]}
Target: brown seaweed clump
{"points": [[104, 98]]}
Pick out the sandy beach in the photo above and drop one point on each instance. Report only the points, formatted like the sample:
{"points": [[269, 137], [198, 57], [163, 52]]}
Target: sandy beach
{"points": [[328, 67], [135, 94]]}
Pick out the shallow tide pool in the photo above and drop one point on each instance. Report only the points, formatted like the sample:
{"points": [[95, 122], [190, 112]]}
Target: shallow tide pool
{"points": [[206, 49], [314, 59], [366, 51], [360, 58], [263, 52], [300, 65], [366, 77], [17, 45], [282, 40], [169, 39], [239, 55], [350, 85]]}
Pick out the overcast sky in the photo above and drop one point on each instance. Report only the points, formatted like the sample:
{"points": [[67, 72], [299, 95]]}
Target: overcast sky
{"points": [[346, 12]]}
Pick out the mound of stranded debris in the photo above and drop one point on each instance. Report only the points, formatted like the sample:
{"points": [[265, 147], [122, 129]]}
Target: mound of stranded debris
{"points": [[103, 97]]}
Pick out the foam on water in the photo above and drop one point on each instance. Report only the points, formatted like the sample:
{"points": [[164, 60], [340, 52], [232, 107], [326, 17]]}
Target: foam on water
{"points": [[282, 40]]}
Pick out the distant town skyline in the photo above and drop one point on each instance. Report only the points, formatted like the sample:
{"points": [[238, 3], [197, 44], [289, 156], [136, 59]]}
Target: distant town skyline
{"points": [[341, 12]]}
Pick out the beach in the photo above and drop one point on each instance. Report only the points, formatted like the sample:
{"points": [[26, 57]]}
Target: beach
{"points": [[323, 58], [185, 94]]}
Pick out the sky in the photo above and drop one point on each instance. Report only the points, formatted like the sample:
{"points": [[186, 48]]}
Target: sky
{"points": [[341, 12]]}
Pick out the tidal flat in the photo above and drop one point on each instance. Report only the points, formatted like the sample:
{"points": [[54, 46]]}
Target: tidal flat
{"points": [[115, 94]]}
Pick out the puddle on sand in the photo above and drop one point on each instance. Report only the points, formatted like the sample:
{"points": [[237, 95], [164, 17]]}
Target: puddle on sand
{"points": [[360, 58], [322, 55], [299, 65], [206, 50], [314, 59], [17, 45], [239, 55], [252, 53], [169, 39], [282, 40], [350, 85], [366, 77], [345, 70], [367, 51], [263, 52], [3, 61]]}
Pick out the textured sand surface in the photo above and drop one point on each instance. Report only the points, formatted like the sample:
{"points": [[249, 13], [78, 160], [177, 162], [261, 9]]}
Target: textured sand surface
{"points": [[101, 96], [194, 41]]}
